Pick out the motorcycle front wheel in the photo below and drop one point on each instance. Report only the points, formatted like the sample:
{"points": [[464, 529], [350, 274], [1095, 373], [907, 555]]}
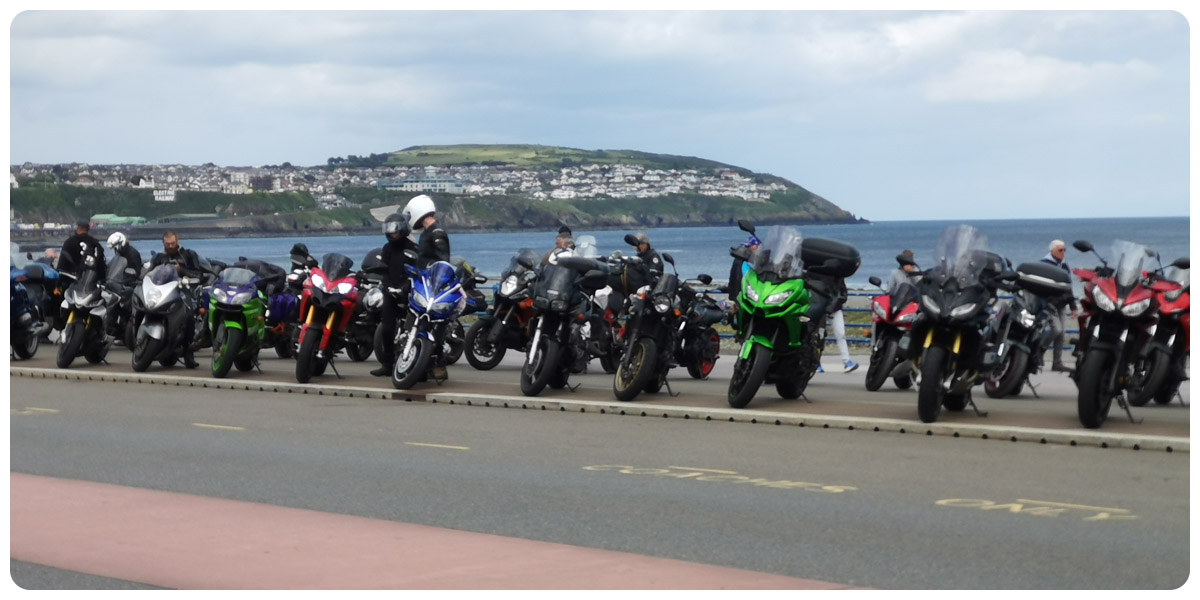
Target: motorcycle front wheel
{"points": [[1009, 375], [306, 356], [883, 358], [1095, 392], [72, 340], [541, 363], [410, 367], [145, 348], [27, 349], [226, 343], [629, 381], [482, 355], [748, 376], [931, 393], [707, 348], [1151, 376]]}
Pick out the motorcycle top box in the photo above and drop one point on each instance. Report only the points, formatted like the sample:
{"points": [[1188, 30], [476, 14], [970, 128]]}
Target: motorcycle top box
{"points": [[829, 257], [1043, 279]]}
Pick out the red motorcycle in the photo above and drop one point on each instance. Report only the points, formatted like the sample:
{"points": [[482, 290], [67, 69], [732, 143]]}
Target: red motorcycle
{"points": [[1115, 332], [326, 308], [892, 314], [1172, 335]]}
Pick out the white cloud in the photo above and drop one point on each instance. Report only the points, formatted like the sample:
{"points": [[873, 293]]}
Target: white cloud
{"points": [[1010, 75], [330, 87]]}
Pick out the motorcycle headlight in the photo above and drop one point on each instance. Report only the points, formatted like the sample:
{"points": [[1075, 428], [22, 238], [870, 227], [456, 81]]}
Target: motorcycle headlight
{"points": [[318, 281], [930, 305], [1103, 302], [906, 318], [509, 285], [751, 293], [662, 305], [153, 297], [1135, 309], [1026, 319], [963, 310], [778, 298], [374, 299], [1174, 295], [440, 308], [877, 308], [219, 295], [344, 288], [240, 298], [420, 298]]}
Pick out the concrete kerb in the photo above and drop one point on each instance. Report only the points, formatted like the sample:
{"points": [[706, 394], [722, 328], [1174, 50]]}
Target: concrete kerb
{"points": [[958, 430], [212, 383]]}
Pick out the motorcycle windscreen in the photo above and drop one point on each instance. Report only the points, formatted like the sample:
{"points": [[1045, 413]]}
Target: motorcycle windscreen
{"points": [[514, 265], [16, 258], [441, 278], [1177, 275], [116, 268], [162, 275], [779, 255], [1130, 256], [237, 277], [585, 246], [336, 266], [904, 294], [962, 253], [667, 285], [554, 283]]}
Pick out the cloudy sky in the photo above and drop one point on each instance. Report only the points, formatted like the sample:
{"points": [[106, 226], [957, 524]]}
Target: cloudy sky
{"points": [[890, 115]]}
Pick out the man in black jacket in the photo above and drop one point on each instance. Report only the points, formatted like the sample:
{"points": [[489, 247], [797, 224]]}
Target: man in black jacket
{"points": [[648, 255], [396, 286], [1055, 306], [187, 263], [433, 246], [77, 249]]}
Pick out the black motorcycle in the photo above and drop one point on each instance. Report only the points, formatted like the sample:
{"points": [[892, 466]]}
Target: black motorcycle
{"points": [[948, 339], [1021, 327], [360, 336], [84, 327], [506, 324], [557, 347], [283, 306], [650, 337], [699, 345]]}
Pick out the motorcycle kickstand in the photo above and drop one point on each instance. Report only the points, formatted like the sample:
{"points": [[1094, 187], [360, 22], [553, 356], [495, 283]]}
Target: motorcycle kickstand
{"points": [[1128, 412], [334, 367], [1180, 396], [572, 388], [1032, 387], [971, 401], [670, 392]]}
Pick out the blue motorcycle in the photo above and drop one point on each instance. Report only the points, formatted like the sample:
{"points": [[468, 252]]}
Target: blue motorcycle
{"points": [[437, 298], [28, 303]]}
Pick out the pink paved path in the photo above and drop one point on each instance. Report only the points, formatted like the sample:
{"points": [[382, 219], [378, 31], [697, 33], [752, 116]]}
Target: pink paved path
{"points": [[193, 542]]}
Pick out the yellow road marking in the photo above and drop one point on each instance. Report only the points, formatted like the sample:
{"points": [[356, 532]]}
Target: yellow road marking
{"points": [[29, 410], [41, 410], [437, 446], [1082, 506], [229, 427], [705, 470]]}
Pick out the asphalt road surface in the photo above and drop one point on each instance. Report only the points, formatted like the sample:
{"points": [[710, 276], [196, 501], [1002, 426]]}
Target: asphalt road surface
{"points": [[105, 474]]}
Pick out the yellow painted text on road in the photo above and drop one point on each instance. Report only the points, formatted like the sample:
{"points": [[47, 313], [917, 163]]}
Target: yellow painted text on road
{"points": [[437, 446], [721, 476], [33, 410], [1043, 508], [227, 427]]}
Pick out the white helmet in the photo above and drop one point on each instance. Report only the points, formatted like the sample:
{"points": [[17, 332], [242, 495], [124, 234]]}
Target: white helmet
{"points": [[417, 209], [117, 241]]}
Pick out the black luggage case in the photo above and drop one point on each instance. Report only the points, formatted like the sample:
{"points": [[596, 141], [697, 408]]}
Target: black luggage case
{"points": [[1043, 279], [829, 257]]}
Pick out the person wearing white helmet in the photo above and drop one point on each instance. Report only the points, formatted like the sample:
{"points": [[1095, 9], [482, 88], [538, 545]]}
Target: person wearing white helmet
{"points": [[119, 244], [434, 244]]}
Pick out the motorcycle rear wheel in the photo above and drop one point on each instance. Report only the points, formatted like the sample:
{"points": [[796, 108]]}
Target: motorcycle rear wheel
{"points": [[455, 342], [541, 363], [1095, 397], [1143, 386], [72, 340], [931, 393], [903, 382], [629, 381], [706, 350], [358, 350], [26, 350], [482, 355], [748, 376]]}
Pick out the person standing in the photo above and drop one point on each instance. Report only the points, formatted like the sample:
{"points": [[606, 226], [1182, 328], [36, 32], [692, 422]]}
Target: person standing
{"points": [[121, 247], [838, 319], [1057, 306], [396, 286], [562, 242], [648, 255], [906, 272], [76, 251]]}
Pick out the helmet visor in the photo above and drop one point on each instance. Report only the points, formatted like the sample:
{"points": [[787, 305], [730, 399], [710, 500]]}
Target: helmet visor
{"points": [[393, 227]]}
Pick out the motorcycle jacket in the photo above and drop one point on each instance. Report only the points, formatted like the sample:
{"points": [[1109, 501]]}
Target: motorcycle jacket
{"points": [[433, 246], [393, 256], [188, 261], [75, 251], [132, 257], [1067, 298], [652, 260]]}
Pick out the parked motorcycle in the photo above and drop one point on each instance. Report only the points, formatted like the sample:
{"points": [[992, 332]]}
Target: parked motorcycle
{"points": [[949, 336], [161, 315], [437, 297], [558, 347], [1174, 328], [650, 337], [28, 302], [699, 345], [781, 311], [361, 333], [1116, 356], [505, 325], [237, 316], [1022, 329], [86, 313], [283, 310], [327, 304], [892, 316]]}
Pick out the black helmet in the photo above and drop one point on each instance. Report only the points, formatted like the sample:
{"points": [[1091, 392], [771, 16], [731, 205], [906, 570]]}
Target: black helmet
{"points": [[395, 223]]}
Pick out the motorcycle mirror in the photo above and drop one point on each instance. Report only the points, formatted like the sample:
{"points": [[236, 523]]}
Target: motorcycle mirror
{"points": [[525, 262], [480, 279], [746, 226], [1150, 253], [1082, 245], [667, 257], [411, 254], [1182, 263], [875, 281], [705, 278], [1007, 276], [631, 240]]}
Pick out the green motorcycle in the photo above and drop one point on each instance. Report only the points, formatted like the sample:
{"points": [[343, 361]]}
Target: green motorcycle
{"points": [[781, 311], [236, 320]]}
